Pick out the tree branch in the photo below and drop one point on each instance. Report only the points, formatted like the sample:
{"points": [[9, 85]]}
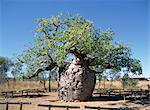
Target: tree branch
{"points": [[41, 69], [79, 54]]}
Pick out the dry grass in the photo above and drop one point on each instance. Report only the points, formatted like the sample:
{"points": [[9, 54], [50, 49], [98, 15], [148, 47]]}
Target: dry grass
{"points": [[20, 85], [118, 85]]}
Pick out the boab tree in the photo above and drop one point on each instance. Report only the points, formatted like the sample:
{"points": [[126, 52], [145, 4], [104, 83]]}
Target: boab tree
{"points": [[62, 38]]}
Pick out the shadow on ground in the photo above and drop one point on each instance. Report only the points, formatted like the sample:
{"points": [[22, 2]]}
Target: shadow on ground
{"points": [[105, 98], [143, 100]]}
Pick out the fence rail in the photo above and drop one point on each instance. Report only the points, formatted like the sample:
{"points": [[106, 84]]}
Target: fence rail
{"points": [[134, 93], [24, 92], [59, 106], [78, 107], [15, 103]]}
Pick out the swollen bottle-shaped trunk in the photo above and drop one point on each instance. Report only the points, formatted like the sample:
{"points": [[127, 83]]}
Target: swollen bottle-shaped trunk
{"points": [[77, 82]]}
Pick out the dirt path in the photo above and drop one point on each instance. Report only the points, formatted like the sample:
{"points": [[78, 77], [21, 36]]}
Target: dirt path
{"points": [[51, 98]]}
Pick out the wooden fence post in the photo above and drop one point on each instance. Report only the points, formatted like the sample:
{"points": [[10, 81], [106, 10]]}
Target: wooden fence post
{"points": [[7, 106], [49, 83], [49, 107], [20, 106], [27, 92], [6, 95], [22, 92], [67, 108], [99, 108], [109, 94]]}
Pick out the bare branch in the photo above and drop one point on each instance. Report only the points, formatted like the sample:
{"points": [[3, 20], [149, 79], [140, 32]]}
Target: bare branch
{"points": [[41, 69]]}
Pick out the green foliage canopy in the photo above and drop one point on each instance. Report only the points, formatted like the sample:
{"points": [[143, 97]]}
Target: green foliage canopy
{"points": [[61, 37]]}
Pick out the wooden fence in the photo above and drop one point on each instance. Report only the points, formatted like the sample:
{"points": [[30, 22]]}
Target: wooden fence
{"points": [[25, 92], [124, 93], [59, 106], [15, 103], [100, 92], [77, 107], [67, 107], [134, 93]]}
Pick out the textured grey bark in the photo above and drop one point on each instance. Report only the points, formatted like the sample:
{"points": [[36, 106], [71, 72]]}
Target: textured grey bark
{"points": [[76, 83]]}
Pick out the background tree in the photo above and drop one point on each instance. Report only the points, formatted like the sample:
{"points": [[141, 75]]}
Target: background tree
{"points": [[63, 38], [128, 82], [5, 65]]}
